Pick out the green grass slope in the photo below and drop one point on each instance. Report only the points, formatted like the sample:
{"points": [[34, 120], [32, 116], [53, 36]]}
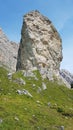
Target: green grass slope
{"points": [[47, 110]]}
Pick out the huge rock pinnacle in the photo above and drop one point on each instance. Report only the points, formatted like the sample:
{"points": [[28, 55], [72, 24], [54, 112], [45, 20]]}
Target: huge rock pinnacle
{"points": [[40, 45]]}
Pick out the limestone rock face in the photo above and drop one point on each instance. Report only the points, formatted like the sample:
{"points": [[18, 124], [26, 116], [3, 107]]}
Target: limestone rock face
{"points": [[8, 52], [40, 46]]}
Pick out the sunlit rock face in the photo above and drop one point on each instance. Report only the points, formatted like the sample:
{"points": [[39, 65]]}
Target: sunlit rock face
{"points": [[40, 46], [8, 52]]}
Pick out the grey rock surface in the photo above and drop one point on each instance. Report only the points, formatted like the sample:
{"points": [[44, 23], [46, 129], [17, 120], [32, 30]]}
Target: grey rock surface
{"points": [[25, 92], [8, 52], [44, 87], [20, 81], [67, 76], [9, 76], [62, 127], [40, 46], [1, 121]]}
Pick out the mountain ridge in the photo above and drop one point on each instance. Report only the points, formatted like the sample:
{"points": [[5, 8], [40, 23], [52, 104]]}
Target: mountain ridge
{"points": [[8, 52]]}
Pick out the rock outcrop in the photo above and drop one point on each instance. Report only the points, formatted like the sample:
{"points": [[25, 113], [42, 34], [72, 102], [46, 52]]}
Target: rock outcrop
{"points": [[40, 46], [8, 52]]}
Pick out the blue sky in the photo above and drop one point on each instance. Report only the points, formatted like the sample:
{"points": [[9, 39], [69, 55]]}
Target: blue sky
{"points": [[60, 12]]}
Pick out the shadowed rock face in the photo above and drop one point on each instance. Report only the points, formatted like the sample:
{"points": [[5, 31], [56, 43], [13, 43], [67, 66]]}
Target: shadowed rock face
{"points": [[8, 52], [40, 45]]}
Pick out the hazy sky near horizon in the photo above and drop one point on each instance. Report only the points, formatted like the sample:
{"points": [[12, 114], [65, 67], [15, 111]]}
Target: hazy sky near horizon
{"points": [[60, 12]]}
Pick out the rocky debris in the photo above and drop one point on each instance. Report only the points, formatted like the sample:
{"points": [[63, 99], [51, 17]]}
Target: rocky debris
{"points": [[33, 115], [39, 90], [40, 46], [25, 92], [44, 86], [29, 73], [67, 76], [9, 76], [33, 85], [49, 104], [8, 52], [62, 127], [25, 109], [16, 118], [20, 81], [1, 120], [37, 101]]}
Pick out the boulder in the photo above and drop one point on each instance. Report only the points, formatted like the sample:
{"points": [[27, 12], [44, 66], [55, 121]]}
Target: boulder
{"points": [[44, 87], [25, 92], [20, 81]]}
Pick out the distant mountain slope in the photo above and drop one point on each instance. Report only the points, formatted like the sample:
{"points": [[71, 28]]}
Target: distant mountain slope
{"points": [[67, 76], [8, 52]]}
